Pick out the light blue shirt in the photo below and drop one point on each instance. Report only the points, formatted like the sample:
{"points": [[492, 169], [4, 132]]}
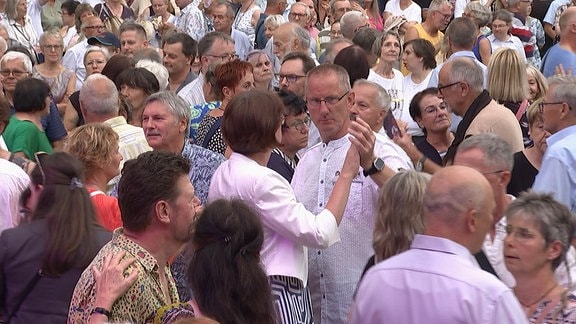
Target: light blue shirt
{"points": [[558, 173], [242, 43], [555, 56], [436, 281]]}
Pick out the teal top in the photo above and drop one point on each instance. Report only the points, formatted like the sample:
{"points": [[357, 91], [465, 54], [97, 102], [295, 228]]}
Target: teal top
{"points": [[24, 136]]}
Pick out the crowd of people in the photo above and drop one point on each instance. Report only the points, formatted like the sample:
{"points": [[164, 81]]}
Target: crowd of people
{"points": [[282, 161]]}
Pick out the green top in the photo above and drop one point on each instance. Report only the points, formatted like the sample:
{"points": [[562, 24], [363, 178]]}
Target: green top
{"points": [[24, 136]]}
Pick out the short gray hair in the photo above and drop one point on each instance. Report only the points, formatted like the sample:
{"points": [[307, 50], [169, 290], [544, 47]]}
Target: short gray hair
{"points": [[497, 152], [99, 95], [466, 70], [348, 22], [176, 105], [436, 4], [92, 49], [302, 34], [51, 33], [159, 71], [383, 99], [12, 55], [562, 89], [301, 4]]}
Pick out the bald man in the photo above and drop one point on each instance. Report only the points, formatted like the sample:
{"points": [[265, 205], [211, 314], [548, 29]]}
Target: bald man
{"points": [[438, 276]]}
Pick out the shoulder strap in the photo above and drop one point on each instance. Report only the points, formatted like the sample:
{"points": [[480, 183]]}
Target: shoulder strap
{"points": [[485, 263], [25, 294], [211, 132], [521, 109]]}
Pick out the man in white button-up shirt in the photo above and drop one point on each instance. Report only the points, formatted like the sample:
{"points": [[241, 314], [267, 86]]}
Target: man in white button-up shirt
{"points": [[438, 280], [334, 272]]}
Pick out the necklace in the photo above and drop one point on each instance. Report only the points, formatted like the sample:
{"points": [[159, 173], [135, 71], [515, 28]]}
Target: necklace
{"points": [[539, 298]]}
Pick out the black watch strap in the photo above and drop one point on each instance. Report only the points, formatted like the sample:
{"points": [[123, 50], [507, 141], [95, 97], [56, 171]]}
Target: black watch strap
{"points": [[103, 311]]}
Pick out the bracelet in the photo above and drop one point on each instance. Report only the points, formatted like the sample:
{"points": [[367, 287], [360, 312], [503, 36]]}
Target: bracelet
{"points": [[102, 311]]}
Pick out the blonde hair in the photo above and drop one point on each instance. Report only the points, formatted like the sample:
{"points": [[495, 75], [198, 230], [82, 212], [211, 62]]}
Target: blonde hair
{"points": [[93, 144], [540, 81], [507, 80], [399, 217]]}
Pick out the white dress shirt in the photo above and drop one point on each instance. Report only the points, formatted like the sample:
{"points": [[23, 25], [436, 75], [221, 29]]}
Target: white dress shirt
{"points": [[334, 272], [193, 92], [74, 60], [288, 226], [436, 281]]}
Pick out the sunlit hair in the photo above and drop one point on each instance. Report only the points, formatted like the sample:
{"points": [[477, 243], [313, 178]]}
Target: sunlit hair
{"points": [[67, 207], [479, 13], [80, 10], [507, 80], [54, 34], [399, 217], [225, 270], [327, 68], [92, 144], [540, 80]]}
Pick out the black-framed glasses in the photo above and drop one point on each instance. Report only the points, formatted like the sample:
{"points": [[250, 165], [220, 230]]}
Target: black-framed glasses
{"points": [[15, 73], [96, 27], [225, 56], [38, 156], [299, 124], [445, 16], [542, 104], [329, 101], [441, 88], [297, 15], [291, 78]]}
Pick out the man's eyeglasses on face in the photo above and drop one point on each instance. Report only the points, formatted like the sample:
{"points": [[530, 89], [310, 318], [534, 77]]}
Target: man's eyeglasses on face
{"points": [[299, 124], [15, 73], [445, 16], [291, 78], [52, 47], [329, 101], [297, 15], [542, 104], [441, 88], [225, 57]]}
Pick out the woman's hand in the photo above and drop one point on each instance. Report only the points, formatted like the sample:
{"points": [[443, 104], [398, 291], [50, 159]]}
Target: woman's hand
{"points": [[111, 281]]}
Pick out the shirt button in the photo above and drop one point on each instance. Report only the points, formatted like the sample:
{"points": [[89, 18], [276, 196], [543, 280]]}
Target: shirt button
{"points": [[323, 296], [321, 275], [324, 160], [319, 252], [321, 181], [320, 204]]}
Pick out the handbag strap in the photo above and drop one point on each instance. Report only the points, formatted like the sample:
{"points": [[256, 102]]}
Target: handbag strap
{"points": [[211, 132], [25, 294], [521, 109]]}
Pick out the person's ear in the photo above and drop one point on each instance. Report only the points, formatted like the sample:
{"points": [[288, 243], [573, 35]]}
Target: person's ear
{"points": [[554, 250], [162, 211]]}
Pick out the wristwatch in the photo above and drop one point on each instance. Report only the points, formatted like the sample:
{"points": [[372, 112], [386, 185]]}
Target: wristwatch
{"points": [[377, 166]]}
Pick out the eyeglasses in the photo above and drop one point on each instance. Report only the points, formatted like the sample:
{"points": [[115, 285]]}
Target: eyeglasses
{"points": [[225, 56], [15, 73], [521, 235], [499, 26], [329, 101], [299, 124], [95, 62], [441, 88], [445, 16], [291, 78], [52, 47], [434, 109], [37, 158], [96, 27], [542, 104], [297, 15]]}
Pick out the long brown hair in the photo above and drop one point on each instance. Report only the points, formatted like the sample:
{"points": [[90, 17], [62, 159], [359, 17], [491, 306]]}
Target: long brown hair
{"points": [[68, 209]]}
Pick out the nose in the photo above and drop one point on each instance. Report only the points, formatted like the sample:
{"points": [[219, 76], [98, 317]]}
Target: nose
{"points": [[440, 95], [283, 82]]}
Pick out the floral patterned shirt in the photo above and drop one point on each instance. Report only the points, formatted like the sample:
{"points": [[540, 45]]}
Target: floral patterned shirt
{"points": [[140, 303], [560, 313]]}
